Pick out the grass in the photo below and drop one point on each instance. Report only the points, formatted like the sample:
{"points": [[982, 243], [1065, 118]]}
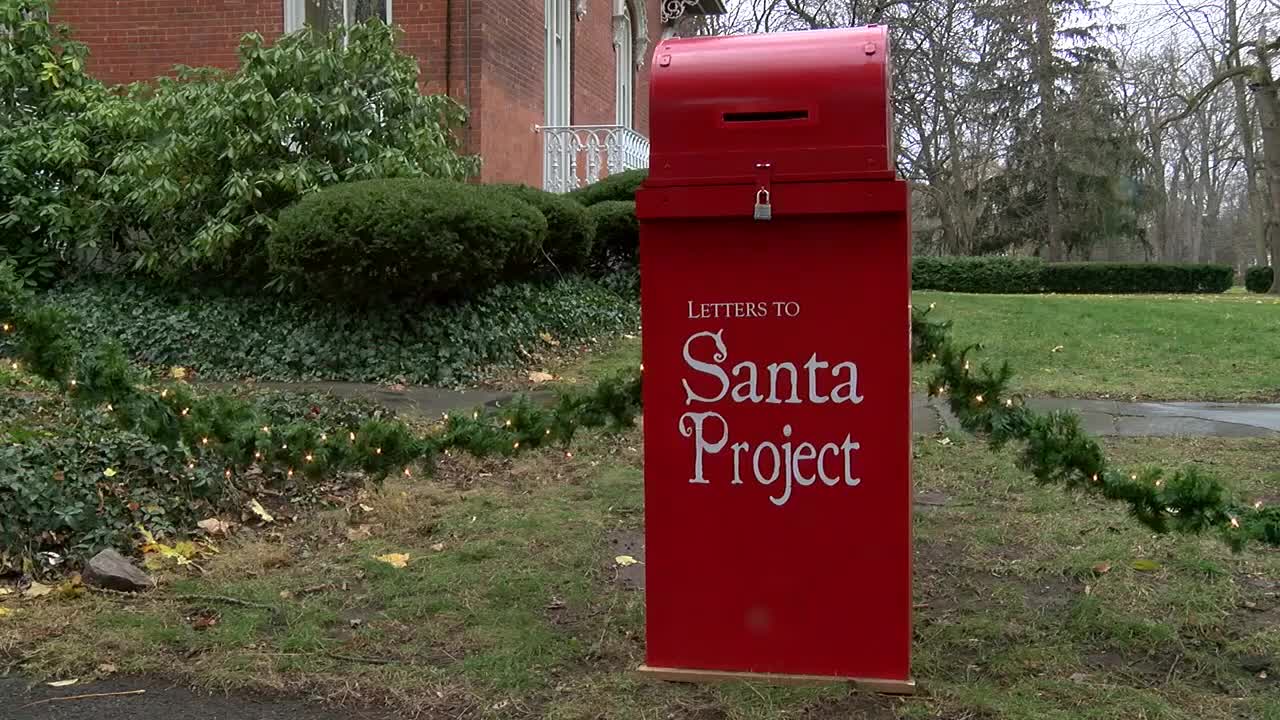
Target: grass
{"points": [[1029, 604], [1162, 347]]}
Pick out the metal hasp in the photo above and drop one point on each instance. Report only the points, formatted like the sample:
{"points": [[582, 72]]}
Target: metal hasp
{"points": [[775, 255]]}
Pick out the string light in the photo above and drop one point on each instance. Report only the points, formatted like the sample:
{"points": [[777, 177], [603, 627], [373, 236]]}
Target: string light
{"points": [[352, 436], [109, 407], [548, 431], [1133, 476], [641, 367], [1008, 402], [284, 447], [73, 383], [508, 422], [568, 454], [323, 437], [266, 429], [966, 364], [164, 393], [1095, 477], [1159, 482], [191, 466], [290, 473], [1257, 505], [186, 412], [8, 327], [204, 441], [13, 366], [257, 456], [407, 473], [978, 399], [516, 445], [377, 451], [228, 473], [308, 458], [475, 415], [932, 305], [933, 356], [1235, 523]]}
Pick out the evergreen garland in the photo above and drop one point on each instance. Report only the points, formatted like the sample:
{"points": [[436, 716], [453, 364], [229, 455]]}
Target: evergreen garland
{"points": [[224, 429]]}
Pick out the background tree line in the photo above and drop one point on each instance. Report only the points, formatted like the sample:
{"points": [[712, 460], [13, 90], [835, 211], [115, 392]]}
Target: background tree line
{"points": [[1071, 129]]}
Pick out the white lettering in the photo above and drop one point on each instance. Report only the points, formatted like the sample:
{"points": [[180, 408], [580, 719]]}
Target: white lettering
{"points": [[851, 386], [822, 464], [813, 366], [774, 368], [699, 442], [722, 354], [806, 451], [746, 391]]}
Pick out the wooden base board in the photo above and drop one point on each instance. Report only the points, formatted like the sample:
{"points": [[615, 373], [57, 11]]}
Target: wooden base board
{"points": [[871, 685]]}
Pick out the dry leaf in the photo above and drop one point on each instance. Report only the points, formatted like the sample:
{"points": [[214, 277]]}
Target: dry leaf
{"points": [[539, 376], [256, 508], [365, 508], [5, 591], [109, 472], [5, 612], [107, 668], [1146, 565], [546, 338], [37, 590], [178, 373], [204, 622], [360, 532], [397, 560], [214, 526], [625, 560], [1058, 348], [945, 441], [1102, 568], [438, 547], [63, 683]]}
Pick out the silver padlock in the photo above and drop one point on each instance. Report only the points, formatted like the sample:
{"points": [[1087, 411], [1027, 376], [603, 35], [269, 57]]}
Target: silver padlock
{"points": [[764, 211]]}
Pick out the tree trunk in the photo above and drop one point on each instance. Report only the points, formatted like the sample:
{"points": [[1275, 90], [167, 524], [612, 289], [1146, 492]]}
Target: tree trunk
{"points": [[1044, 34], [1264, 95], [1257, 217]]}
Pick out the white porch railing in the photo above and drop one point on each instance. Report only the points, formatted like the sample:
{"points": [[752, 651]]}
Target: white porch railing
{"points": [[577, 155]]}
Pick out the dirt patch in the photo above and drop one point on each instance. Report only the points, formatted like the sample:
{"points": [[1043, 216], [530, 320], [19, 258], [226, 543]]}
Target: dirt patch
{"points": [[628, 543], [854, 706]]}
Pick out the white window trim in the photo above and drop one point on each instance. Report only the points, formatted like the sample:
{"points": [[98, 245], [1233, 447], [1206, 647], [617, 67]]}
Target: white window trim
{"points": [[295, 14], [558, 77], [624, 66]]}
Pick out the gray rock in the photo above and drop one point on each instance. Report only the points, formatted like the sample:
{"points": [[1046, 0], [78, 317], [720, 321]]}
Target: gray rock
{"points": [[113, 571], [1255, 663]]}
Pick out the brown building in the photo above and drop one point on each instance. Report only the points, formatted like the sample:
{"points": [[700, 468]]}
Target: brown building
{"points": [[557, 88]]}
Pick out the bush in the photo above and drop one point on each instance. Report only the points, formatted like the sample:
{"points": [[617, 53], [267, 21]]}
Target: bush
{"points": [[1259, 278], [617, 234], [219, 336], [570, 229], [618, 186], [1030, 275], [977, 274], [378, 240], [1120, 278]]}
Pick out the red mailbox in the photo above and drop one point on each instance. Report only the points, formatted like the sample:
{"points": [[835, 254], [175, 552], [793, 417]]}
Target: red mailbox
{"points": [[775, 257]]}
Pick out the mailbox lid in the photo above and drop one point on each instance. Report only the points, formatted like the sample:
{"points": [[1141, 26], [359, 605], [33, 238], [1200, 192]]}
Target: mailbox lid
{"points": [[814, 104]]}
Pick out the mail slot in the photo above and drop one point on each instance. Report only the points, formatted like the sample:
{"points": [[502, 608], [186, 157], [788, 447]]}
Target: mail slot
{"points": [[775, 275]]}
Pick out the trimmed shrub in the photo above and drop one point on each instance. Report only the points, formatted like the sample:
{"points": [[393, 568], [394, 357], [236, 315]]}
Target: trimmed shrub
{"points": [[977, 274], [1121, 278], [1259, 278], [618, 186], [218, 336], [378, 240], [570, 230], [617, 233], [1030, 275]]}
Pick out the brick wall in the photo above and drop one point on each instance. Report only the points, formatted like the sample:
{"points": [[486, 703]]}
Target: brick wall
{"points": [[141, 39]]}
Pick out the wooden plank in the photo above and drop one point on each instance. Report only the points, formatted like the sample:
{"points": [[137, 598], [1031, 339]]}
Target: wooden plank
{"points": [[870, 685]]}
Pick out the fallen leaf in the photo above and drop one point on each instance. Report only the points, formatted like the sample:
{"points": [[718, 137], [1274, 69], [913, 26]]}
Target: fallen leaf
{"points": [[555, 604], [1146, 565], [1078, 677], [107, 668], [178, 373], [63, 683], [438, 547], [5, 591], [109, 472], [37, 590], [546, 338], [1102, 568], [945, 441], [625, 560], [365, 508], [1058, 348], [397, 560], [5, 612], [286, 595], [256, 508], [204, 622], [214, 526], [360, 532]]}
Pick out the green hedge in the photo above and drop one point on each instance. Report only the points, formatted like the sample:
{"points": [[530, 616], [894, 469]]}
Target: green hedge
{"points": [[977, 274], [1031, 275], [1121, 278], [617, 233], [229, 337], [1259, 278], [618, 186], [571, 230], [404, 238]]}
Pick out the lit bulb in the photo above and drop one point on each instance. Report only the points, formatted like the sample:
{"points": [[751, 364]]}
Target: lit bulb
{"points": [[323, 437], [13, 366], [516, 445], [641, 367], [508, 423], [227, 474], [191, 466], [109, 408], [257, 456], [407, 473], [933, 356], [73, 383], [352, 436], [568, 454], [1008, 402], [8, 327], [377, 451], [966, 364], [164, 393], [475, 415], [1095, 477], [932, 305], [1159, 482], [186, 411], [1257, 505], [284, 447], [1235, 523], [266, 429], [309, 458], [204, 441], [979, 399], [290, 473], [548, 431]]}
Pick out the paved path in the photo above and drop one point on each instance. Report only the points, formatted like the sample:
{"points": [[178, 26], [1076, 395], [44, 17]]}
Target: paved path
{"points": [[1101, 417]]}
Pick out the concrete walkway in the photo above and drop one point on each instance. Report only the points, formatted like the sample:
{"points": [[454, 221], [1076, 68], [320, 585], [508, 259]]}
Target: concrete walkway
{"points": [[1101, 417]]}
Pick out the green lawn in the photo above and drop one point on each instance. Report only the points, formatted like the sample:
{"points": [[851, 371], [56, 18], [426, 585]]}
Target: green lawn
{"points": [[1029, 604], [1180, 347]]}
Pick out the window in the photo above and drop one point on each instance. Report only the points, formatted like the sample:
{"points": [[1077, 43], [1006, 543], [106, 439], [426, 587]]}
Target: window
{"points": [[625, 67], [326, 15], [559, 26]]}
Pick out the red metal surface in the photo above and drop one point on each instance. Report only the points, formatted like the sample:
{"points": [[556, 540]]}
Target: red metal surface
{"points": [[817, 101], [777, 512]]}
